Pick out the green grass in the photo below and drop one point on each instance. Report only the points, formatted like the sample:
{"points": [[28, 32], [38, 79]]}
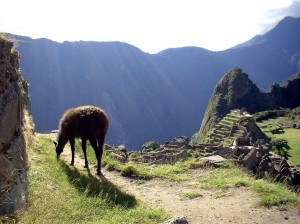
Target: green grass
{"points": [[227, 177], [292, 135], [190, 195], [271, 194], [178, 171], [59, 193]]}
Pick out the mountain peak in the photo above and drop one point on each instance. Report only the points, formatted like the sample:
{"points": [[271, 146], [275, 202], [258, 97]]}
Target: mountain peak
{"points": [[286, 31], [234, 91]]}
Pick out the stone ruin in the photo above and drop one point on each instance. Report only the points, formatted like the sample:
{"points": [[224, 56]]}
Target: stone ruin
{"points": [[14, 107], [238, 137], [256, 158], [154, 153], [259, 159], [248, 147], [279, 169], [169, 153]]}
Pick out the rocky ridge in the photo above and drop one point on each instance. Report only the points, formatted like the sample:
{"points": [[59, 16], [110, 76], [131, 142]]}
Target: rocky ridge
{"points": [[14, 128]]}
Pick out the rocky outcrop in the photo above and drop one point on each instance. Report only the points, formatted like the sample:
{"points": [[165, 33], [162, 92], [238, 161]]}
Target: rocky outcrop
{"points": [[15, 128]]}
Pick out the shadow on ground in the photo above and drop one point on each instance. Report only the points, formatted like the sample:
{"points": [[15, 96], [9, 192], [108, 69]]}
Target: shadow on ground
{"points": [[98, 187]]}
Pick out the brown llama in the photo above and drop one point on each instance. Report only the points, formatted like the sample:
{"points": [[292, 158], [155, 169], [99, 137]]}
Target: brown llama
{"points": [[88, 123]]}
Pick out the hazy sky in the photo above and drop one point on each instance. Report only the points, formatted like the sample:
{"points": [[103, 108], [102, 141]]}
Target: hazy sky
{"points": [[151, 25]]}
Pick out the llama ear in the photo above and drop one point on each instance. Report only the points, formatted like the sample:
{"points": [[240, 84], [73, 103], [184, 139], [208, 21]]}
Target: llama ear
{"points": [[55, 143]]}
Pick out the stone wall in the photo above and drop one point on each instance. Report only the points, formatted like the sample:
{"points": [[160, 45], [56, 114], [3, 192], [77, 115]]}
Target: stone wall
{"points": [[14, 106]]}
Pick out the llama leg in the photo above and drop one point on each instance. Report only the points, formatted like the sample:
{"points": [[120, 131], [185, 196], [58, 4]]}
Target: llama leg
{"points": [[83, 145], [101, 139], [96, 149], [72, 143]]}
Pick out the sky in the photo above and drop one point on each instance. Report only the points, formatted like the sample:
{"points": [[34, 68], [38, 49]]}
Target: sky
{"points": [[150, 25]]}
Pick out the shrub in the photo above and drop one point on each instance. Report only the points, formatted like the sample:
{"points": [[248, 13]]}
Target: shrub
{"points": [[128, 171], [281, 147], [264, 115]]}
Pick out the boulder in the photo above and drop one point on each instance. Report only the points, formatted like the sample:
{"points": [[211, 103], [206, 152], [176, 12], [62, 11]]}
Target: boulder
{"points": [[118, 153], [151, 145], [179, 142], [214, 160], [178, 220]]}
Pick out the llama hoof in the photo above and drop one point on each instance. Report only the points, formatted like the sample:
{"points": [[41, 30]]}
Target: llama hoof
{"points": [[99, 173]]}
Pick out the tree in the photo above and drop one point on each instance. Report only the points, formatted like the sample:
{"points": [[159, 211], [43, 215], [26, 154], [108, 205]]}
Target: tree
{"points": [[281, 147]]}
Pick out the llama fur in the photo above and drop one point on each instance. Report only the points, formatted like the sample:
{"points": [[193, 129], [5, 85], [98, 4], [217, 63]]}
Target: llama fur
{"points": [[85, 122]]}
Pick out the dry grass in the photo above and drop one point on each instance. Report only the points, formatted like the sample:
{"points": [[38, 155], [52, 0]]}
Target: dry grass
{"points": [[28, 129]]}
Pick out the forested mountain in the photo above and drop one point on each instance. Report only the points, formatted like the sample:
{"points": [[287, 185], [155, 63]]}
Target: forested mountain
{"points": [[147, 96]]}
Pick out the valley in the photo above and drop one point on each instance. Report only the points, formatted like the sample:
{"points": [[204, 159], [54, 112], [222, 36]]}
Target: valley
{"points": [[191, 134], [147, 96]]}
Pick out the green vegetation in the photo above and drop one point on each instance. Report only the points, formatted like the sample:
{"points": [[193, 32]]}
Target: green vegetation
{"points": [[228, 176], [60, 193], [177, 171], [264, 115], [232, 176], [281, 147], [293, 138], [190, 195], [291, 135]]}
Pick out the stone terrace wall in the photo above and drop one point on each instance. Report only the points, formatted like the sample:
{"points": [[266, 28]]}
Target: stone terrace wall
{"points": [[14, 103]]}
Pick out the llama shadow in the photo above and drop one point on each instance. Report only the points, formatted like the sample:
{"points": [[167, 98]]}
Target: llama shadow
{"points": [[98, 187]]}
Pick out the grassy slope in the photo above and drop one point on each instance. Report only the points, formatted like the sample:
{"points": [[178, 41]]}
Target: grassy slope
{"points": [[62, 194], [290, 134]]}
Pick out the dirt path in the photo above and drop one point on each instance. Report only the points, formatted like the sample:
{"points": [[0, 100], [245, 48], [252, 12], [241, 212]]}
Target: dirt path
{"points": [[238, 205]]}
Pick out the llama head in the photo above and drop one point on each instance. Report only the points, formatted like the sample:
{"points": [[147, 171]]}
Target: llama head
{"points": [[60, 143], [58, 149]]}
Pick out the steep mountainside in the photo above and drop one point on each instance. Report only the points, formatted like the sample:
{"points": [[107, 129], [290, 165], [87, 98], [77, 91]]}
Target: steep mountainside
{"points": [[148, 97], [236, 91], [286, 94], [133, 87]]}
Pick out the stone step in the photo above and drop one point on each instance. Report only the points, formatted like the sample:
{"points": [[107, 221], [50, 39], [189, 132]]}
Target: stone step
{"points": [[228, 141], [220, 131], [234, 120], [237, 135], [224, 121], [226, 126], [233, 116], [220, 136]]}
